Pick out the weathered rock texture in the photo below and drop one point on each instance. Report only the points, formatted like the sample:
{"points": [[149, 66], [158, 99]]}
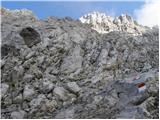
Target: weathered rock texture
{"points": [[62, 68]]}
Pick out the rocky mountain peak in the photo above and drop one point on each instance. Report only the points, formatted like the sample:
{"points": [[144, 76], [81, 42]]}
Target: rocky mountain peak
{"points": [[95, 17], [22, 12], [103, 23], [125, 17]]}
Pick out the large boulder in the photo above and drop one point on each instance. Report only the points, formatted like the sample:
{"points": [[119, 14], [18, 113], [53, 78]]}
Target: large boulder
{"points": [[31, 36]]}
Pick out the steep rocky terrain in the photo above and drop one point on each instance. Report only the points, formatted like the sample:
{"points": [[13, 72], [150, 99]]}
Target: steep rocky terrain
{"points": [[62, 68]]}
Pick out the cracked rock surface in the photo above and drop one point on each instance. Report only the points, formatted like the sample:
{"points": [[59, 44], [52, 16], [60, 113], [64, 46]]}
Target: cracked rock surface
{"points": [[62, 68]]}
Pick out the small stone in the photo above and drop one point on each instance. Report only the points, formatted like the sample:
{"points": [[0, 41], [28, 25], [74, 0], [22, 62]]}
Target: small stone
{"points": [[21, 71], [41, 59], [147, 66], [27, 64], [111, 100], [24, 52], [28, 92], [97, 99], [49, 96], [54, 71], [66, 114], [72, 86], [36, 71], [46, 42], [111, 64], [18, 114], [61, 92], [18, 99], [4, 88], [47, 86], [50, 106], [37, 101], [28, 77], [31, 54]]}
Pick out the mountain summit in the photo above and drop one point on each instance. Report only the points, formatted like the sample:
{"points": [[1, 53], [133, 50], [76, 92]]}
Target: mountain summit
{"points": [[104, 24]]}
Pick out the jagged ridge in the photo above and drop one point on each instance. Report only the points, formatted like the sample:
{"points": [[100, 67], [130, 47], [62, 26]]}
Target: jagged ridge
{"points": [[104, 24]]}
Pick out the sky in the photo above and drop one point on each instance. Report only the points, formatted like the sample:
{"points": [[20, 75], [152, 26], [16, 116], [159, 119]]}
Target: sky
{"points": [[75, 10]]}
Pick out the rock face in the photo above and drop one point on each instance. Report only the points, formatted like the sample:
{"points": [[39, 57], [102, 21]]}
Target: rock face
{"points": [[63, 68]]}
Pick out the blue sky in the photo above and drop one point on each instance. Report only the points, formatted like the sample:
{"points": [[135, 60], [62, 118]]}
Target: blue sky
{"points": [[74, 9]]}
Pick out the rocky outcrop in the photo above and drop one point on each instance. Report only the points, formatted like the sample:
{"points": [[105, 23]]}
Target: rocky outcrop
{"points": [[105, 24], [72, 71]]}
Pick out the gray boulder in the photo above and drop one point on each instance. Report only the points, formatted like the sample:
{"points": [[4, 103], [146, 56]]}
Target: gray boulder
{"points": [[31, 36]]}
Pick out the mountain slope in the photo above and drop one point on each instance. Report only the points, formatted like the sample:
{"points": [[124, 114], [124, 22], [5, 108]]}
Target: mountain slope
{"points": [[62, 68]]}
